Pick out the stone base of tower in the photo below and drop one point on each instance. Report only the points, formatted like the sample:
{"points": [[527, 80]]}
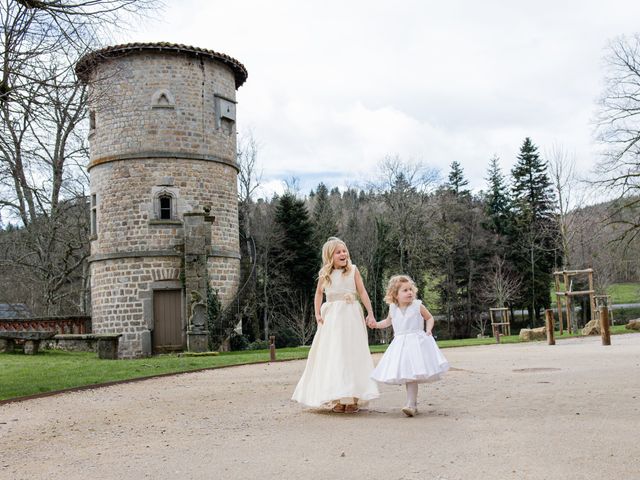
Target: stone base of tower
{"points": [[124, 294], [143, 298]]}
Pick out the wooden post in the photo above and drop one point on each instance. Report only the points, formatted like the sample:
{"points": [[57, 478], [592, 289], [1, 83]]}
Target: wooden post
{"points": [[272, 348], [561, 314], [558, 302], [567, 300], [550, 326], [604, 326], [592, 299], [569, 316]]}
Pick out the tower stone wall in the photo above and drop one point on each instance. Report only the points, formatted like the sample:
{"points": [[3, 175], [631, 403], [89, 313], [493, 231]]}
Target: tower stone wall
{"points": [[163, 144]]}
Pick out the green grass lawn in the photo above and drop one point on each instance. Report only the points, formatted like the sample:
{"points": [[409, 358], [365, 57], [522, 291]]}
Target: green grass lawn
{"points": [[624, 292], [620, 293], [51, 370]]}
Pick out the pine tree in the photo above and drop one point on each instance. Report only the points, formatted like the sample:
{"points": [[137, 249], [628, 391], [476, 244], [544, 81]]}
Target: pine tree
{"points": [[324, 218], [532, 189], [297, 255], [457, 180], [533, 229], [293, 263], [496, 201]]}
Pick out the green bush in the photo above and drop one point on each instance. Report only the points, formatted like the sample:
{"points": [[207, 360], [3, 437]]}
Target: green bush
{"points": [[238, 342], [258, 345], [623, 315]]}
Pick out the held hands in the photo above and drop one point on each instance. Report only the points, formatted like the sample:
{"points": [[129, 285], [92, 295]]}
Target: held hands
{"points": [[371, 321]]}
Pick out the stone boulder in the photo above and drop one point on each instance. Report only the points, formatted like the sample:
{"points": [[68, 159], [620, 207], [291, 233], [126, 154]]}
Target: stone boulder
{"points": [[592, 328], [532, 334], [633, 324]]}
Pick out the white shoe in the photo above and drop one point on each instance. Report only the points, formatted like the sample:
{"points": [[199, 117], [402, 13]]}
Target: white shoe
{"points": [[410, 411]]}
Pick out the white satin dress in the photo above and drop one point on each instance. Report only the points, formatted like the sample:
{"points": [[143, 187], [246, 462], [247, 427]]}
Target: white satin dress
{"points": [[412, 355], [339, 364]]}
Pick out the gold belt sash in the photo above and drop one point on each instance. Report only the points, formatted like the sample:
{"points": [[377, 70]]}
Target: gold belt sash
{"points": [[342, 297]]}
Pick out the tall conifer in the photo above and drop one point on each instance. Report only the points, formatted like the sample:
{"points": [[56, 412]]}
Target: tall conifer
{"points": [[297, 255], [533, 230], [496, 200], [324, 219], [457, 182]]}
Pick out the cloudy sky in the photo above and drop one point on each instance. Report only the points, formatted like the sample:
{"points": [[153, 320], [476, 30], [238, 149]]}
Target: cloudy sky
{"points": [[336, 85]]}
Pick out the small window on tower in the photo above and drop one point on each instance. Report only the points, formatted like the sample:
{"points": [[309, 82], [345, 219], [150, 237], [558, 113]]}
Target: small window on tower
{"points": [[166, 202], [165, 207]]}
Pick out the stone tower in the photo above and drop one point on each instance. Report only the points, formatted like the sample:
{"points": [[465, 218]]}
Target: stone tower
{"points": [[164, 215]]}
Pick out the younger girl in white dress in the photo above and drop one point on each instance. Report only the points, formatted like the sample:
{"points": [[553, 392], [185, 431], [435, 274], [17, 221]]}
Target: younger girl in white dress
{"points": [[412, 356], [339, 362]]}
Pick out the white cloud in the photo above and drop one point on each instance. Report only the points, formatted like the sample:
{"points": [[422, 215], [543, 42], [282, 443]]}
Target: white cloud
{"points": [[335, 86]]}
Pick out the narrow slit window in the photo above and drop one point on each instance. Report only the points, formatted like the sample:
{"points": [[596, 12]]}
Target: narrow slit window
{"points": [[94, 214]]}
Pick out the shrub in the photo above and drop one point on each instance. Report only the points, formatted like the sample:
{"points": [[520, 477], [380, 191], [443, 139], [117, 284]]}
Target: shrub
{"points": [[258, 345]]}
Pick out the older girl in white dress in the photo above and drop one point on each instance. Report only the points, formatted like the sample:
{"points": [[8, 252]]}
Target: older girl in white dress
{"points": [[412, 356], [339, 363]]}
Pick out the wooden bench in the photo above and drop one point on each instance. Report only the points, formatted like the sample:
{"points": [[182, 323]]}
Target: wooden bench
{"points": [[31, 340]]}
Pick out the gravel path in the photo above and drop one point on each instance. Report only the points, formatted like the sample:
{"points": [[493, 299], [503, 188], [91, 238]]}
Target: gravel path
{"points": [[522, 411]]}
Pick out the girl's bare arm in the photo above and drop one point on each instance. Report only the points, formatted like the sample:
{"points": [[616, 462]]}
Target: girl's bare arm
{"points": [[364, 296], [426, 314], [317, 302]]}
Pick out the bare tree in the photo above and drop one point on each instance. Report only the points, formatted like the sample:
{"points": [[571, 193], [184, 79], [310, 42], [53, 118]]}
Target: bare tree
{"points": [[43, 148], [35, 30], [619, 131], [43, 152], [42, 104], [43, 184], [296, 316], [562, 172], [501, 287], [404, 187], [268, 281], [594, 245], [248, 178]]}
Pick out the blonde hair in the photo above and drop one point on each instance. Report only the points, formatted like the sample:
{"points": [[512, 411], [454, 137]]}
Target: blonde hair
{"points": [[394, 285], [328, 250]]}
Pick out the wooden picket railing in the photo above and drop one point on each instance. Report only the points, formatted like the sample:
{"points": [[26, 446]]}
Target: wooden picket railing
{"points": [[69, 324]]}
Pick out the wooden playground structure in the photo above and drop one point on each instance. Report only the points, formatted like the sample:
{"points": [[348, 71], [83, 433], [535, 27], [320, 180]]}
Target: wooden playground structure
{"points": [[566, 295], [500, 321], [600, 308]]}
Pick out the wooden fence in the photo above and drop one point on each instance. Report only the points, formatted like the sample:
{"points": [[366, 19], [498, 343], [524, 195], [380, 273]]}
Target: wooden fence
{"points": [[71, 324]]}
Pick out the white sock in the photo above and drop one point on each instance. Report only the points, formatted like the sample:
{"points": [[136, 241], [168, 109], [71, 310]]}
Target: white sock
{"points": [[412, 394]]}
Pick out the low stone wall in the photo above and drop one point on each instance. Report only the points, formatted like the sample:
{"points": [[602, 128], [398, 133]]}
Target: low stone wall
{"points": [[105, 345], [73, 343]]}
